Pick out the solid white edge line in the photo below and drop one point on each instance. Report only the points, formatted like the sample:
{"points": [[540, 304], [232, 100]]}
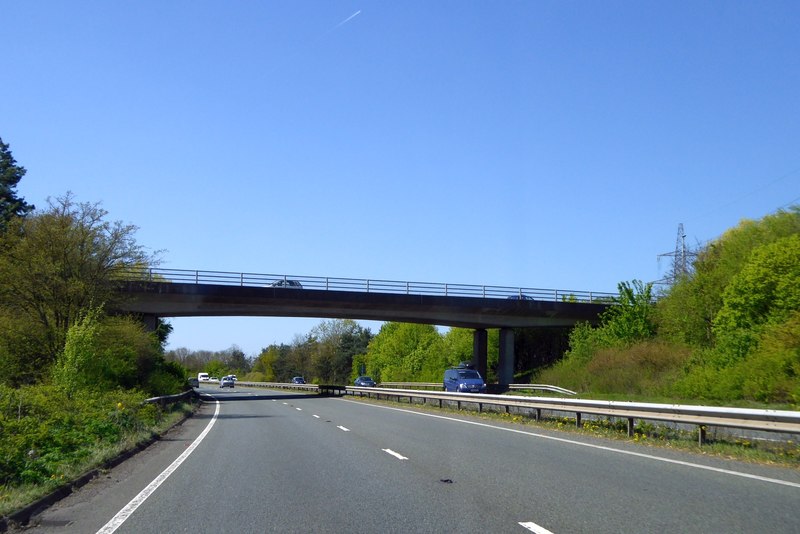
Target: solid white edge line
{"points": [[340, 427], [137, 501], [395, 454], [593, 446], [533, 527]]}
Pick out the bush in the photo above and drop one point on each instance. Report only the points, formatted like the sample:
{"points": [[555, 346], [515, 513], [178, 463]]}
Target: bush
{"points": [[646, 368], [45, 431]]}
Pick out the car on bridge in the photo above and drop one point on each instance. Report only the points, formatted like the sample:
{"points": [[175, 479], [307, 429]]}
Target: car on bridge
{"points": [[287, 283], [298, 380]]}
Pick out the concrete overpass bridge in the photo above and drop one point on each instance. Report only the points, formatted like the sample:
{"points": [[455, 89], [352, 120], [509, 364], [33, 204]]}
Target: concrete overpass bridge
{"points": [[156, 293]]}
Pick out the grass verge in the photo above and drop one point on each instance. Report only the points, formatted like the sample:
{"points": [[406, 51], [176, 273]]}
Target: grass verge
{"points": [[14, 498]]}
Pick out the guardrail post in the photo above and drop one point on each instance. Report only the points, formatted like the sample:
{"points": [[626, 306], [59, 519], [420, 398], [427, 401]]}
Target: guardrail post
{"points": [[701, 435], [630, 427], [578, 419], [538, 415]]}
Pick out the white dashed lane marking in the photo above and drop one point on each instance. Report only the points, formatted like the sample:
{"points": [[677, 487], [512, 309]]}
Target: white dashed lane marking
{"points": [[395, 454], [533, 527]]}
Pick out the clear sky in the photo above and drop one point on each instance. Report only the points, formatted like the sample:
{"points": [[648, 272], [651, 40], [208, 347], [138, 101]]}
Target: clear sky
{"points": [[522, 143]]}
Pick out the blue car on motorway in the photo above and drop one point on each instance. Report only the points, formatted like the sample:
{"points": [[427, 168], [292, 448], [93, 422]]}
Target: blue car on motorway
{"points": [[462, 379], [364, 382]]}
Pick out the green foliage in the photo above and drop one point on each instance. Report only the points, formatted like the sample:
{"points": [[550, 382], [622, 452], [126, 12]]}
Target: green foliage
{"points": [[263, 366], [770, 372], [105, 353], [55, 265], [765, 291], [45, 431], [630, 319], [727, 331], [399, 352], [408, 352], [686, 313], [216, 368], [10, 174], [76, 368]]}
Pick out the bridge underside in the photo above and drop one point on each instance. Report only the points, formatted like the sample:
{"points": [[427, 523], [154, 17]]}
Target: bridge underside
{"points": [[168, 299]]}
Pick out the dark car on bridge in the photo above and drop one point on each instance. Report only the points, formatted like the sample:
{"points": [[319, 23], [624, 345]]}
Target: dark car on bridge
{"points": [[298, 380], [364, 382], [287, 283]]}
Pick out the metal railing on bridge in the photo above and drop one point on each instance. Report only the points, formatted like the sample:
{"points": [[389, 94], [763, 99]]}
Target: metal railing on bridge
{"points": [[325, 283]]}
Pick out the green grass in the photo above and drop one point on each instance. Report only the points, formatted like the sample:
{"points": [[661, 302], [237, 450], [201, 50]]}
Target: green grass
{"points": [[16, 497]]}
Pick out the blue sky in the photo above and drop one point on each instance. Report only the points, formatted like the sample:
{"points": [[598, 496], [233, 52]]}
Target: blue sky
{"points": [[537, 144]]}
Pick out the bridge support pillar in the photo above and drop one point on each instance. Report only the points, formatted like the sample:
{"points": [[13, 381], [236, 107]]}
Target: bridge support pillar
{"points": [[505, 363], [480, 342], [150, 321]]}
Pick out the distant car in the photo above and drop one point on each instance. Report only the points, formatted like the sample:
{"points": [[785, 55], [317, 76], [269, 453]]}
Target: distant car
{"points": [[287, 283], [226, 382], [202, 377], [298, 380], [365, 382], [193, 382], [520, 297], [214, 379]]}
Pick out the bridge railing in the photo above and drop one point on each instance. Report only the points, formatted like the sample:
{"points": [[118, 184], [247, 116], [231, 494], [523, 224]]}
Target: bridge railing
{"points": [[364, 285]]}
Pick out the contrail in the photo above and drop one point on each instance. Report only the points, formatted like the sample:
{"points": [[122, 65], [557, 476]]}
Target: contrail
{"points": [[348, 19]]}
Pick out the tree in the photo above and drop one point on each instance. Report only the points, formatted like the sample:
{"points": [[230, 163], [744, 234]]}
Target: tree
{"points": [[236, 361], [630, 319], [10, 174], [687, 312], [55, 265], [337, 342], [765, 291], [400, 351]]}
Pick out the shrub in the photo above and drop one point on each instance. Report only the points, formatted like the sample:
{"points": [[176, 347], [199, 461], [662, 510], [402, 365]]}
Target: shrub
{"points": [[45, 431]]}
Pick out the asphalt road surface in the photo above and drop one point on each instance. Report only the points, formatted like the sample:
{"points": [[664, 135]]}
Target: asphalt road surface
{"points": [[255, 460]]}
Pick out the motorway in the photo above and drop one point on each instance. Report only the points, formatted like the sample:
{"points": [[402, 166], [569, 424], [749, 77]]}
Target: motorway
{"points": [[254, 460]]}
